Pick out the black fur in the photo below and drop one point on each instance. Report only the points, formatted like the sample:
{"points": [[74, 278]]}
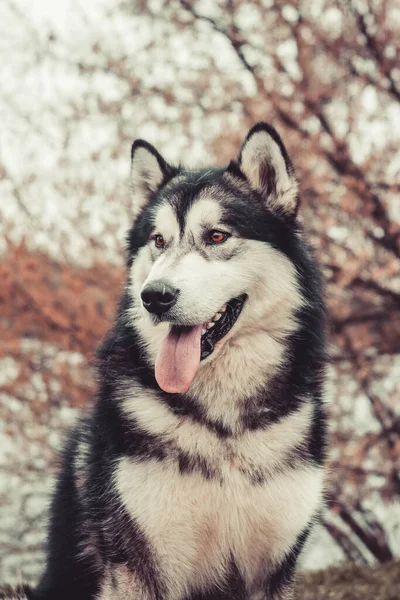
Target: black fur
{"points": [[232, 588], [283, 576]]}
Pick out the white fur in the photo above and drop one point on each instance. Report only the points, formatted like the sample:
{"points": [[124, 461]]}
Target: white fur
{"points": [[195, 524], [259, 149], [165, 223], [205, 213]]}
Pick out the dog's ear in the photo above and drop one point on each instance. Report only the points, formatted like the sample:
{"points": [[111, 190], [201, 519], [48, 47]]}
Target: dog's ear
{"points": [[265, 163], [149, 172]]}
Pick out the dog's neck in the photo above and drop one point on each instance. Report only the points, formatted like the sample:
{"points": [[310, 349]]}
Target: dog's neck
{"points": [[239, 373]]}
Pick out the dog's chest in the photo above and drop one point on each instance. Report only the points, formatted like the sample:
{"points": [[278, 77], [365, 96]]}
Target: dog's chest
{"points": [[197, 525]]}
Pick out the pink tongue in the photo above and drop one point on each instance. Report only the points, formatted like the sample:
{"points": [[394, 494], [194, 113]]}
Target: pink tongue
{"points": [[178, 359]]}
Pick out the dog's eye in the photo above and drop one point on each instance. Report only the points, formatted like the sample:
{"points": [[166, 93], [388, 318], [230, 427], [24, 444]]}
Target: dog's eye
{"points": [[217, 237], [159, 241]]}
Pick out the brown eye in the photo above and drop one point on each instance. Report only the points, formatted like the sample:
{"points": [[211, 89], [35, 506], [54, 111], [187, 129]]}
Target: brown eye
{"points": [[159, 240], [217, 237]]}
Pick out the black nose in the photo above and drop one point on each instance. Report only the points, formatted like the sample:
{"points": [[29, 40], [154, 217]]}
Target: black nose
{"points": [[158, 297]]}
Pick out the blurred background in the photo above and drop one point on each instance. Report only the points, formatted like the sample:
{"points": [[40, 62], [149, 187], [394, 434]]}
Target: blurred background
{"points": [[78, 82]]}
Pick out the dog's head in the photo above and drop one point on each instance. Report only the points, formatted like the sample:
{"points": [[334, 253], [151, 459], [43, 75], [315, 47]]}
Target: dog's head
{"points": [[208, 252]]}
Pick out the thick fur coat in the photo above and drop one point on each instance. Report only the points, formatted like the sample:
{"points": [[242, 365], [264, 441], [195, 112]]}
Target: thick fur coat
{"points": [[199, 472]]}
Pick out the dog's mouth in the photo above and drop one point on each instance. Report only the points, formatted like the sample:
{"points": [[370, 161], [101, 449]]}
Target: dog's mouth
{"points": [[185, 346], [221, 323]]}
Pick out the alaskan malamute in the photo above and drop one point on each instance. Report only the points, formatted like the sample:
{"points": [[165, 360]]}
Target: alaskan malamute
{"points": [[199, 473]]}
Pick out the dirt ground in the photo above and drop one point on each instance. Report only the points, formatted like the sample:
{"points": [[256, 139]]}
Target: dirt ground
{"points": [[350, 582]]}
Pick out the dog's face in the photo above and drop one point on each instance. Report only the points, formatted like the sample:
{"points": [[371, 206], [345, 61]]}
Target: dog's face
{"points": [[207, 252]]}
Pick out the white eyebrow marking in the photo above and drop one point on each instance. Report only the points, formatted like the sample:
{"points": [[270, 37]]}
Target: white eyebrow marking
{"points": [[204, 211], [165, 221]]}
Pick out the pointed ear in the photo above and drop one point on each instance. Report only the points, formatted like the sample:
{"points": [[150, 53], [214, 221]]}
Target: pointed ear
{"points": [[149, 172], [265, 163]]}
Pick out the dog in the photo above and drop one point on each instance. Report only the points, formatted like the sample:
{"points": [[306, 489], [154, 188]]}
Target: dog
{"points": [[199, 472]]}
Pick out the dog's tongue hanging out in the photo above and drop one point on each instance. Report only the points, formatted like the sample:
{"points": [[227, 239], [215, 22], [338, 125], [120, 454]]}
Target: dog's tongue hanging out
{"points": [[178, 359]]}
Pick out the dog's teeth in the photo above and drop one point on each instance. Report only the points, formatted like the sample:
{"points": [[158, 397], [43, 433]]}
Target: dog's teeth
{"points": [[217, 317], [203, 331], [223, 309], [209, 325]]}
